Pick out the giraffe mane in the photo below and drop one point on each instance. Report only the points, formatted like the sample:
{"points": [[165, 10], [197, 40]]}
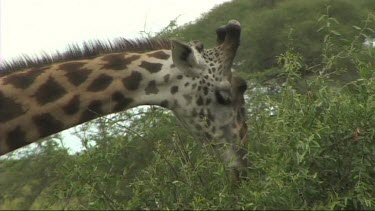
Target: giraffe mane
{"points": [[86, 50]]}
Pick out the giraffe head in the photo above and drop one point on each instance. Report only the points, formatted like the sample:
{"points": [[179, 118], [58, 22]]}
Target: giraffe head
{"points": [[213, 100]]}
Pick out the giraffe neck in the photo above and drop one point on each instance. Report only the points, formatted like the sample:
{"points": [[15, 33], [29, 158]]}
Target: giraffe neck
{"points": [[38, 102]]}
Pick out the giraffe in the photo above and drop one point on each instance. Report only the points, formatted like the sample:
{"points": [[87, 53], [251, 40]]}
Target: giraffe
{"points": [[52, 94]]}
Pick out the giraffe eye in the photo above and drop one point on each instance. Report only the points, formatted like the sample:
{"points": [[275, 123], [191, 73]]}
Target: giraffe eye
{"points": [[223, 97]]}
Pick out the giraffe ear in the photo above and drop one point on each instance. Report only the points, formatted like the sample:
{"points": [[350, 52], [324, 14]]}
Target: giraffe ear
{"points": [[184, 58]]}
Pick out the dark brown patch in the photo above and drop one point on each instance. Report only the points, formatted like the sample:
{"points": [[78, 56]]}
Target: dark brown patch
{"points": [[78, 77], [173, 65], [73, 106], [179, 77], [164, 103], [94, 110], [159, 55], [166, 78], [151, 67], [75, 73], [23, 80], [49, 91], [200, 101], [205, 90], [118, 61], [100, 83], [132, 82], [174, 89], [187, 84], [121, 101], [188, 98], [130, 59], [9, 109], [47, 124], [16, 139], [151, 88]]}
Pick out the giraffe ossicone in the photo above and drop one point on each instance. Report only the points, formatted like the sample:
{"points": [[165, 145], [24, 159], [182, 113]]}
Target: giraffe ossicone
{"points": [[195, 83]]}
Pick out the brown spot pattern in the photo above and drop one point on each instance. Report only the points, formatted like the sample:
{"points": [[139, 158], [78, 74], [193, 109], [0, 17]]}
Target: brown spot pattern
{"points": [[132, 82], [78, 77], [200, 101], [118, 61], [100, 83], [9, 109], [151, 67], [188, 98], [49, 92], [94, 110], [151, 88], [47, 124], [75, 73], [24, 79], [174, 89], [159, 55], [166, 78], [121, 101], [73, 106], [16, 139], [164, 103]]}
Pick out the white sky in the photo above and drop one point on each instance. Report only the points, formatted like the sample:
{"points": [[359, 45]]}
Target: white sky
{"points": [[32, 26]]}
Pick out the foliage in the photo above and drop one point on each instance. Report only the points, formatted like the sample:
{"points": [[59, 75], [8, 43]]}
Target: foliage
{"points": [[269, 25], [308, 150]]}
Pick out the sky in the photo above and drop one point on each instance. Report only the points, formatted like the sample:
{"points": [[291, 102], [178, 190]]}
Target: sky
{"points": [[34, 26], [31, 26]]}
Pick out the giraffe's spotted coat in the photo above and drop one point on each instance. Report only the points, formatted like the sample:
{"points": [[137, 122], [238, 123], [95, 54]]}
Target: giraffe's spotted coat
{"points": [[72, 107], [151, 88], [174, 90], [166, 78], [75, 72], [49, 92], [133, 81], [100, 83], [118, 61], [47, 124], [16, 138], [151, 66], [23, 80], [94, 110], [121, 102], [159, 55], [9, 109]]}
